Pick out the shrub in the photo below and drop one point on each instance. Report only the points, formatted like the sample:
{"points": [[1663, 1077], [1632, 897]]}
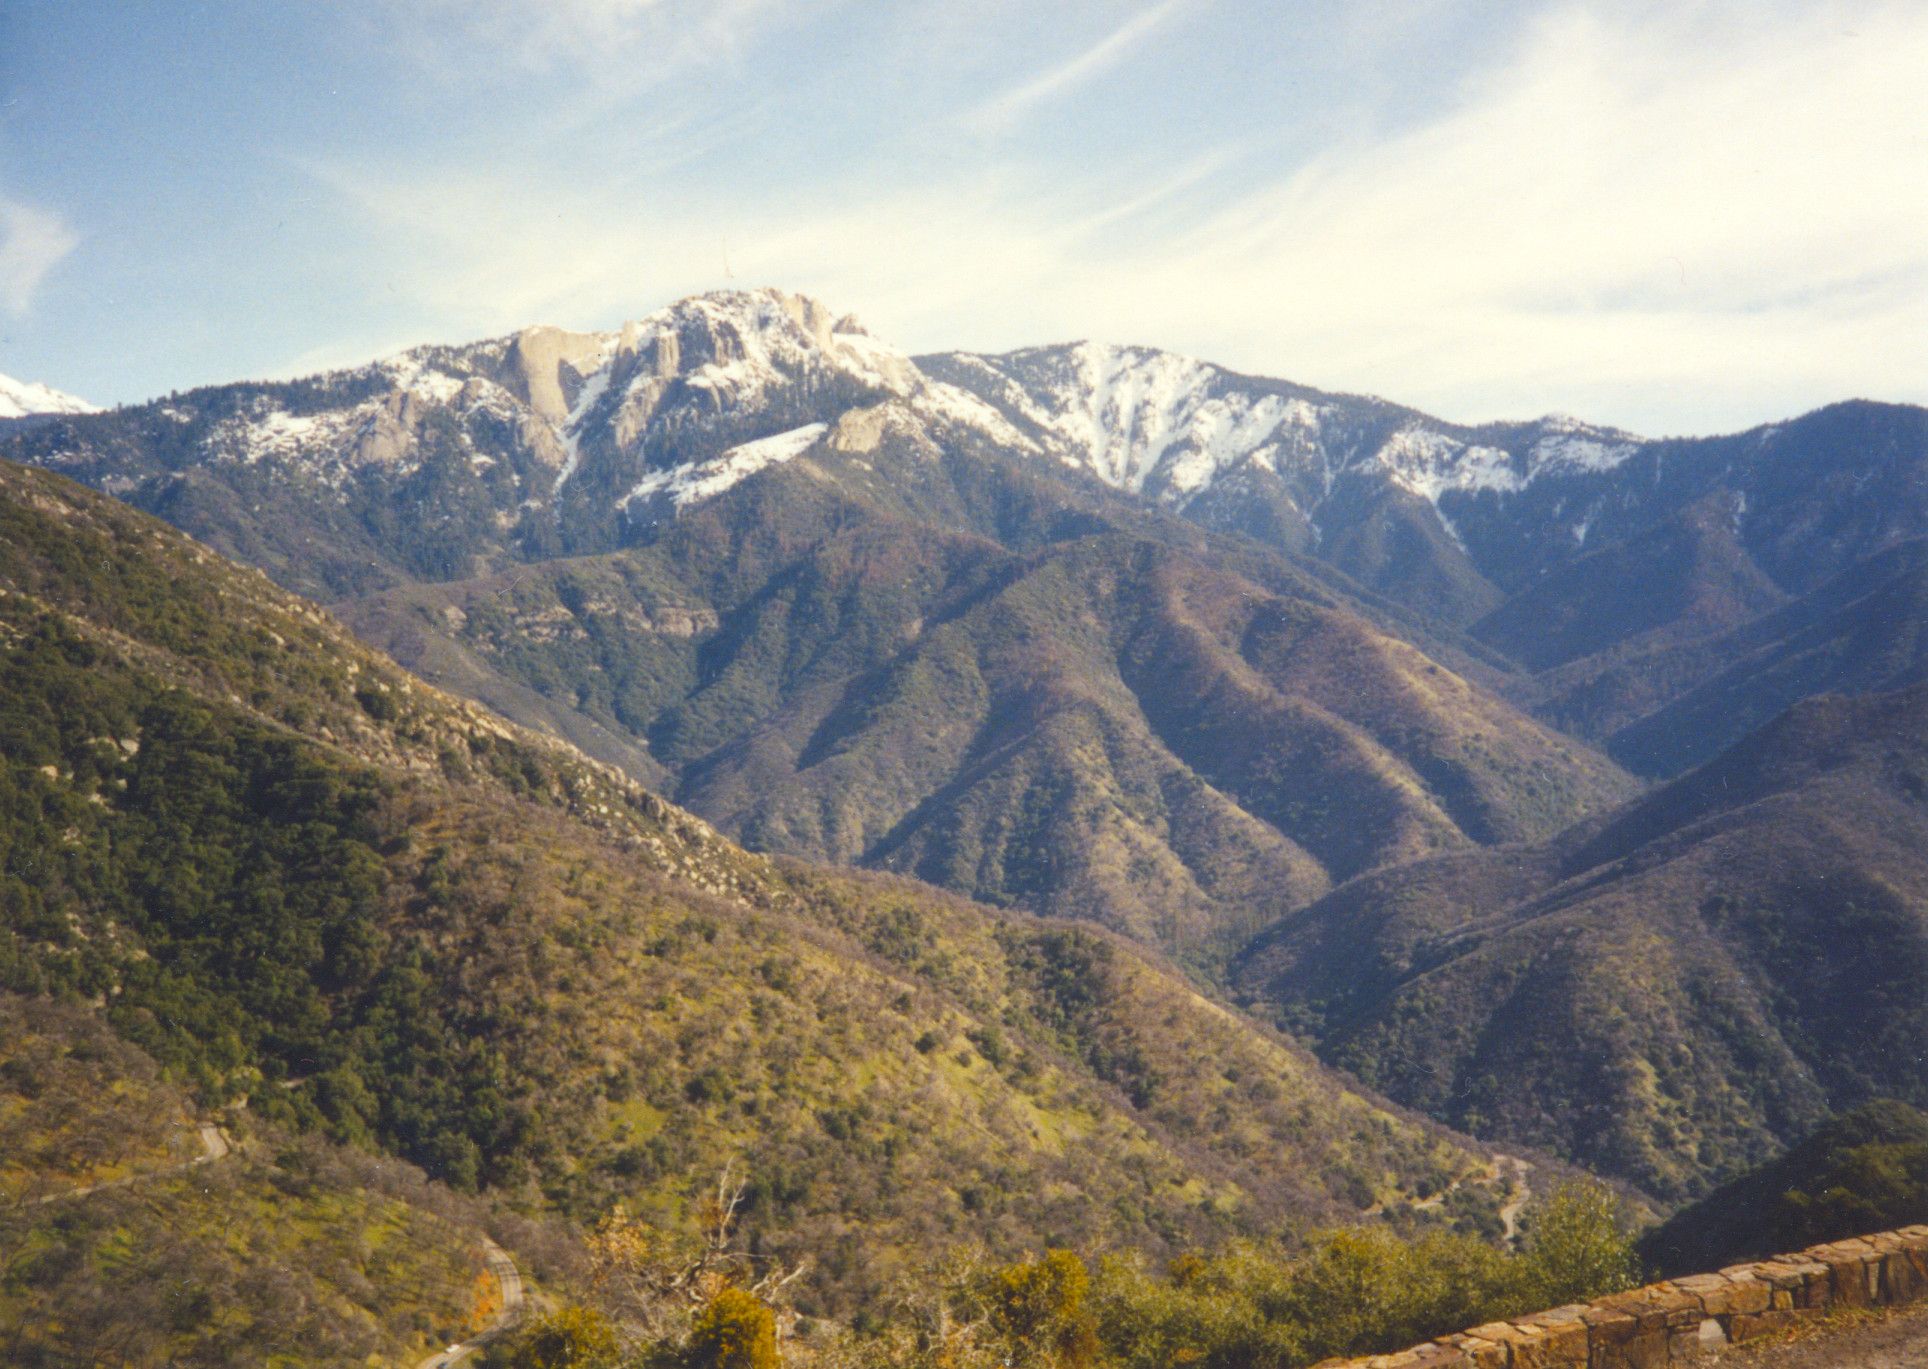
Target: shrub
{"points": [[571, 1337], [736, 1330], [1040, 1311], [1575, 1248]]}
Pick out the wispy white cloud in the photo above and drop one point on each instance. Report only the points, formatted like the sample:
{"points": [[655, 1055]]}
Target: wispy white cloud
{"points": [[630, 43], [1684, 220], [32, 242], [1688, 206], [1004, 110]]}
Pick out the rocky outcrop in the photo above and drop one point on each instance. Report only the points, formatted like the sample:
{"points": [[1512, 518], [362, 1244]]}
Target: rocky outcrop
{"points": [[1685, 1320], [536, 362]]}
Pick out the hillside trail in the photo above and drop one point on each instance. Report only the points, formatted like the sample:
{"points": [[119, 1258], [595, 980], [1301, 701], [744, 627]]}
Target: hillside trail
{"points": [[1509, 1213], [214, 1146], [1522, 1195]]}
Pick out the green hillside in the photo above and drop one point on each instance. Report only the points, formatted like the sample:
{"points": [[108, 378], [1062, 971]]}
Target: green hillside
{"points": [[286, 1250], [1864, 1170], [296, 877]]}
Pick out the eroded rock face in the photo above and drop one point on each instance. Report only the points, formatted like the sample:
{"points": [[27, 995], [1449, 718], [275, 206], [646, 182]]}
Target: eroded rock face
{"points": [[548, 366]]}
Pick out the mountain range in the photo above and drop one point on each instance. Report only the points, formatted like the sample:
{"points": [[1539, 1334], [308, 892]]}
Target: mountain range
{"points": [[1522, 769], [304, 892]]}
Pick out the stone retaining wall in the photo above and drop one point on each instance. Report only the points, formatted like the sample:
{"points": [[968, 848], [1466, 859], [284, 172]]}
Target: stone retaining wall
{"points": [[1685, 1319]]}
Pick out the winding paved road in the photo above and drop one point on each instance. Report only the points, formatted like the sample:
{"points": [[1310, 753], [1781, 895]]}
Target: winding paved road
{"points": [[1523, 1194], [510, 1280]]}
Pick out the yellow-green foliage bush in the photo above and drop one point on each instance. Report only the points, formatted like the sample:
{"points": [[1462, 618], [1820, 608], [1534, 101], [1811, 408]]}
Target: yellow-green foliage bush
{"points": [[736, 1330], [571, 1337], [1041, 1311], [1354, 1291], [1575, 1248]]}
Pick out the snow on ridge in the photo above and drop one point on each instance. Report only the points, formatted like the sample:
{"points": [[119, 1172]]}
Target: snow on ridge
{"points": [[760, 338], [729, 352], [1130, 407], [322, 441], [1578, 451], [27, 398], [1167, 426], [1151, 422], [956, 405], [696, 481], [587, 398], [1428, 463]]}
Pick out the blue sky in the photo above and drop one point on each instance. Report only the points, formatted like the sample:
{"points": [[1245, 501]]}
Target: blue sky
{"points": [[1676, 217]]}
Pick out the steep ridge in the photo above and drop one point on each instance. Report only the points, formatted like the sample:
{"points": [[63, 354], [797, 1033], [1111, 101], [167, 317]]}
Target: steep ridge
{"points": [[920, 614], [1668, 993], [443, 460], [851, 611], [294, 875], [1672, 705], [24, 399], [1368, 484], [1049, 724], [1686, 577], [1581, 552], [447, 460]]}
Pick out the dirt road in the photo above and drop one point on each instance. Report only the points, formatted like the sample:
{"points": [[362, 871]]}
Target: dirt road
{"points": [[1897, 1341], [214, 1146]]}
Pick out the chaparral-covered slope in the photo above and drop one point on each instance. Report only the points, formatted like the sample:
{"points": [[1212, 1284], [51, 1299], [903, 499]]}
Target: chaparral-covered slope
{"points": [[851, 610], [292, 874], [1669, 993]]}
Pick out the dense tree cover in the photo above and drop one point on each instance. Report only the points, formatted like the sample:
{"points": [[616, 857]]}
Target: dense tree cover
{"points": [[242, 862], [1864, 1170]]}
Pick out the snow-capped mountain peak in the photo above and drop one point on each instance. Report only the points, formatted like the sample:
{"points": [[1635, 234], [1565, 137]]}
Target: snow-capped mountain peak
{"points": [[678, 406], [1173, 428], [28, 399]]}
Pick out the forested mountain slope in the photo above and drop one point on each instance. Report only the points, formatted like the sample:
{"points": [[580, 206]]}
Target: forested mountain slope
{"points": [[127, 1243], [850, 611], [294, 875], [1668, 993]]}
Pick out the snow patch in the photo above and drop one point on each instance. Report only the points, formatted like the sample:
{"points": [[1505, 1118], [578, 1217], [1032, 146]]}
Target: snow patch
{"points": [[950, 404], [24, 399], [696, 481], [1428, 464], [1576, 453], [587, 398]]}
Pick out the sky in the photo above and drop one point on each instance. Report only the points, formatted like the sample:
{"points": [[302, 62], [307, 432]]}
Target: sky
{"points": [[1675, 217]]}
